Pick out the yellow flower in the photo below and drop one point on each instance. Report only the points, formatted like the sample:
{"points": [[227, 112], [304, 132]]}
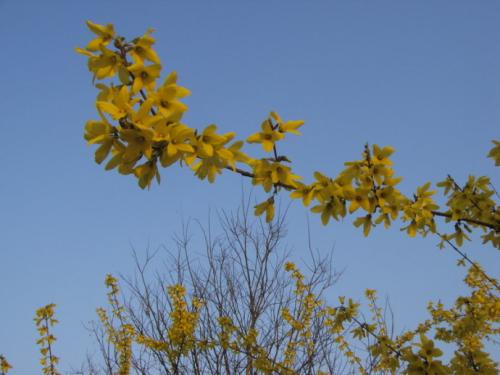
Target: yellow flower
{"points": [[495, 153], [288, 126], [290, 266], [366, 221], [267, 207], [105, 35], [106, 64], [100, 132], [139, 142], [119, 105], [328, 208], [145, 174], [236, 154], [141, 49], [177, 137], [281, 174], [304, 192], [166, 98], [209, 167], [359, 199], [144, 76], [267, 137], [381, 155], [209, 139]]}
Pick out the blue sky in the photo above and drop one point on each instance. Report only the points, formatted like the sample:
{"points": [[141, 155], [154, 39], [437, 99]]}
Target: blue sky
{"points": [[421, 76]]}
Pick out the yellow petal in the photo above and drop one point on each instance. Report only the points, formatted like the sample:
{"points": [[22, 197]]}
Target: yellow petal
{"points": [[103, 151], [115, 112]]}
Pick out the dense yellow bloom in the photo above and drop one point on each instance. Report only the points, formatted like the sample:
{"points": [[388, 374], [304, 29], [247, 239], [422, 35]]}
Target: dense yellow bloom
{"points": [[181, 332]]}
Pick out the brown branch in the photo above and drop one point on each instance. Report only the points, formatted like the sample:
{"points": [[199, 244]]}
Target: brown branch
{"points": [[470, 261], [495, 227], [365, 327]]}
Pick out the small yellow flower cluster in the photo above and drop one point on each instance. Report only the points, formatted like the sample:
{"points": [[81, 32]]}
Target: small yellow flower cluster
{"points": [[120, 337], [44, 320], [471, 206], [469, 322], [273, 130], [306, 308], [419, 212], [181, 332], [367, 184], [424, 362]]}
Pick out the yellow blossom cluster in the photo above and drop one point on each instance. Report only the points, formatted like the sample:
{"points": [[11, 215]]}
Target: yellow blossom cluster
{"points": [[470, 322], [180, 337], [184, 320], [306, 308], [122, 336], [44, 320], [471, 206]]}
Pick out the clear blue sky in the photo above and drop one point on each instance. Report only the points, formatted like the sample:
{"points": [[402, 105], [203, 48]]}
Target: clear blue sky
{"points": [[422, 76]]}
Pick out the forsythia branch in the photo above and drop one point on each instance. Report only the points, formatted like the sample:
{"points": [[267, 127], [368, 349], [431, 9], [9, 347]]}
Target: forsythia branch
{"points": [[140, 126]]}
